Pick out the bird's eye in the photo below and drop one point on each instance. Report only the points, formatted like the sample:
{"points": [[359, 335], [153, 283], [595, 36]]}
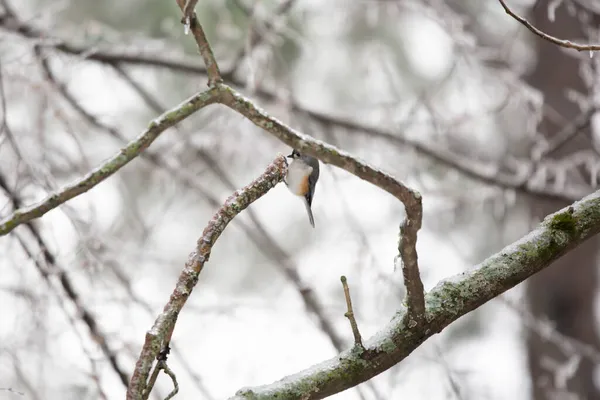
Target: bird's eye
{"points": [[295, 154]]}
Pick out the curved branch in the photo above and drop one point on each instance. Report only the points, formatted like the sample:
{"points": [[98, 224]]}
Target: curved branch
{"points": [[158, 336], [449, 300]]}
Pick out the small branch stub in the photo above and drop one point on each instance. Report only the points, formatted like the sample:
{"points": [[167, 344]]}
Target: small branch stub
{"points": [[350, 314]]}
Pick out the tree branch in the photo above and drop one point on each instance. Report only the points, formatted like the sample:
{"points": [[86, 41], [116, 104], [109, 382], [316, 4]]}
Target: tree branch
{"points": [[188, 9], [157, 337], [350, 314], [559, 42], [113, 164], [97, 335], [190, 20], [449, 300]]}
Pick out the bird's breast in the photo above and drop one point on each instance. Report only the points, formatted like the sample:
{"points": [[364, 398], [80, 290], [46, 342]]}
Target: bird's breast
{"points": [[297, 178]]}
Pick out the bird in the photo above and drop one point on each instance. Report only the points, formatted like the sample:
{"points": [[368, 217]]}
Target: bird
{"points": [[301, 178]]}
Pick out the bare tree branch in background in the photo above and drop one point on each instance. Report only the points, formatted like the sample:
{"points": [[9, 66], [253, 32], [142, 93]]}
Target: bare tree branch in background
{"points": [[559, 42], [96, 333]]}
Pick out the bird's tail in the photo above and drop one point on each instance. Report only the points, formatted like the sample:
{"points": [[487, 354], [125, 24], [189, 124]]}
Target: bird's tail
{"points": [[310, 214]]}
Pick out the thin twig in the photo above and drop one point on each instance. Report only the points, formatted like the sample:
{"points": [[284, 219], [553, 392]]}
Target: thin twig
{"points": [[254, 37], [46, 39], [11, 390], [547, 332], [568, 132], [350, 313], [173, 379], [151, 381], [559, 42], [157, 336], [190, 20]]}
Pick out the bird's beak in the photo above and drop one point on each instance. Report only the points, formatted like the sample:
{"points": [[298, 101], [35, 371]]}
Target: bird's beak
{"points": [[290, 156]]}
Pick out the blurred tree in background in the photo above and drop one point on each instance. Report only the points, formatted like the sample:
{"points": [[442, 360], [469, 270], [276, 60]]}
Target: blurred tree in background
{"points": [[493, 125]]}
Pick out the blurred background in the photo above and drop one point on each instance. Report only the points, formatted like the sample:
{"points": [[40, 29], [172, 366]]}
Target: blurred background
{"points": [[494, 126]]}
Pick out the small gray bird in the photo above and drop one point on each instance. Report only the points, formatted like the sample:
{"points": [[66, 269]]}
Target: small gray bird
{"points": [[301, 179]]}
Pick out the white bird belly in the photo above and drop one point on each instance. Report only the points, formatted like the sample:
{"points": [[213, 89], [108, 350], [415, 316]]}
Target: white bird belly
{"points": [[296, 176]]}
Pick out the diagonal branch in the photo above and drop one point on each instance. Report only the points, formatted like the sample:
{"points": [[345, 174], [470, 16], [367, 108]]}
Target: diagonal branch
{"points": [[449, 300], [112, 165], [559, 42], [191, 21], [157, 336]]}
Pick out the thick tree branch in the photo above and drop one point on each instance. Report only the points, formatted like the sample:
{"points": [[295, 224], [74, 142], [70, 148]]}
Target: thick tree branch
{"points": [[112, 165], [559, 42], [158, 336], [449, 300]]}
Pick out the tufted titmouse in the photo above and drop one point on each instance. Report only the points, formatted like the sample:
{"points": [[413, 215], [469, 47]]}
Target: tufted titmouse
{"points": [[302, 177]]}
